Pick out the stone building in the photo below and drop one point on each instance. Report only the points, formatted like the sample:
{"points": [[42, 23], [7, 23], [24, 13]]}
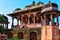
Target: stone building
{"points": [[37, 22]]}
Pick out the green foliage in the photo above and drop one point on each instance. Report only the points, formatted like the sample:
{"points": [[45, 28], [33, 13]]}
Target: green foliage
{"points": [[13, 39], [2, 30], [2, 19]]}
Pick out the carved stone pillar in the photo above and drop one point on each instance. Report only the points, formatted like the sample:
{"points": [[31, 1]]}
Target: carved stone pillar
{"points": [[19, 22]]}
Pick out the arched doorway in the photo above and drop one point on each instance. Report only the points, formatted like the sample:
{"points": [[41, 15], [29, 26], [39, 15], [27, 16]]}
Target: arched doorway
{"points": [[33, 36], [20, 35]]}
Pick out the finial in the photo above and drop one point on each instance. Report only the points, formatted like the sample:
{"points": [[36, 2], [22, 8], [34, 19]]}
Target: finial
{"points": [[49, 1], [33, 2]]}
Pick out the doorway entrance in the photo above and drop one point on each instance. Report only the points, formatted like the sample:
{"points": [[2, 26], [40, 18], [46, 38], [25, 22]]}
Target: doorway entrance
{"points": [[33, 36]]}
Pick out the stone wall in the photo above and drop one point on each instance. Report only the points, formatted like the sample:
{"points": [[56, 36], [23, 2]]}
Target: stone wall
{"points": [[26, 33]]}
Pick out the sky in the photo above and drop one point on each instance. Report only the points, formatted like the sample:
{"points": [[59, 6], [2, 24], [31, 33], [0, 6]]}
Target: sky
{"points": [[8, 6]]}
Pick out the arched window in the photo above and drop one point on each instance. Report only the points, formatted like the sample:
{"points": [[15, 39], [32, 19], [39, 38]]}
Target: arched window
{"points": [[37, 18], [15, 22], [33, 36], [25, 19], [31, 18], [10, 35], [20, 35]]}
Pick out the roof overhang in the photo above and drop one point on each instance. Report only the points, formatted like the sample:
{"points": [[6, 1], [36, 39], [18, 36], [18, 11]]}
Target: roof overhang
{"points": [[19, 12], [49, 9]]}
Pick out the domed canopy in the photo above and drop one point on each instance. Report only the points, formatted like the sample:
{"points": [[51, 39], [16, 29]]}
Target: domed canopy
{"points": [[39, 3], [51, 4], [17, 9], [54, 4], [49, 7]]}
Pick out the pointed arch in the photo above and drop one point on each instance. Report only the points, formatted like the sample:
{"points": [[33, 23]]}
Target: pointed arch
{"points": [[38, 18]]}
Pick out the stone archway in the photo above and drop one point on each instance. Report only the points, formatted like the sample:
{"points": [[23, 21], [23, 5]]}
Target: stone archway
{"points": [[33, 36]]}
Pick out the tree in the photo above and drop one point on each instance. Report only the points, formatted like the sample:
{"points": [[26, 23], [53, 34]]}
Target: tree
{"points": [[2, 30], [2, 19]]}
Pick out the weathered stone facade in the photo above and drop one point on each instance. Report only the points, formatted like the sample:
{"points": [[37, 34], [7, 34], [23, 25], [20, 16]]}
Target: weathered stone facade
{"points": [[36, 22], [26, 32]]}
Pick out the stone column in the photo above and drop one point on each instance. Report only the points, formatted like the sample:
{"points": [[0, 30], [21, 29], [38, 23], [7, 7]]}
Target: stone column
{"points": [[21, 19], [43, 28], [51, 16], [57, 20], [44, 19], [34, 19], [28, 18], [17, 22], [12, 21], [41, 21]]}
